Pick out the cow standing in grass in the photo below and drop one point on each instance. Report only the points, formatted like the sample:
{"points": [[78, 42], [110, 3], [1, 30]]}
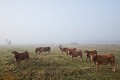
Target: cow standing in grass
{"points": [[42, 49], [20, 56], [103, 60], [75, 53]]}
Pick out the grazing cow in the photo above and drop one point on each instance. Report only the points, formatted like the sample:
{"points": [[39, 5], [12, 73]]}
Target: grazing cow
{"points": [[75, 53], [90, 53], [42, 49], [20, 56], [38, 49], [63, 49], [103, 60]]}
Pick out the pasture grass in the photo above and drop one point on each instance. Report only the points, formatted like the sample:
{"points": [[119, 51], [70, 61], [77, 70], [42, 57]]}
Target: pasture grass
{"points": [[55, 66]]}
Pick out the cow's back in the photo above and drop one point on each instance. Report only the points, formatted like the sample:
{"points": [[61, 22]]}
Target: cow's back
{"points": [[46, 49], [104, 59]]}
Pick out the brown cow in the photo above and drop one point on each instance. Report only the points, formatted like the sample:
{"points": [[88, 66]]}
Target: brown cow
{"points": [[63, 49], [103, 60], [90, 53], [42, 49], [70, 50], [20, 56], [75, 53]]}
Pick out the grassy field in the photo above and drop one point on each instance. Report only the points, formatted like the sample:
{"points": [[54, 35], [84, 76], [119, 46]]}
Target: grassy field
{"points": [[55, 66]]}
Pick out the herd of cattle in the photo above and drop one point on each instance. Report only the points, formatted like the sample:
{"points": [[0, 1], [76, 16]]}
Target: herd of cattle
{"points": [[73, 52]]}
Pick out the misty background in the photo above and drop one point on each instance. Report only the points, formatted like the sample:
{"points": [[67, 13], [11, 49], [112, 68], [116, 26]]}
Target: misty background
{"points": [[60, 21]]}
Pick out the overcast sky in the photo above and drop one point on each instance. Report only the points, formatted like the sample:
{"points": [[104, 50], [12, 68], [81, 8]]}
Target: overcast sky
{"points": [[59, 21]]}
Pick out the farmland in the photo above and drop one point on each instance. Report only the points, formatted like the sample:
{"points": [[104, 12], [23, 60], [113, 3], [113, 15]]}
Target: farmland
{"points": [[55, 66]]}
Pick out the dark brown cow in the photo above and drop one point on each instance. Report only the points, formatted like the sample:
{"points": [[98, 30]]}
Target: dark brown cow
{"points": [[63, 49], [42, 49], [20, 56], [103, 60], [75, 53], [90, 53]]}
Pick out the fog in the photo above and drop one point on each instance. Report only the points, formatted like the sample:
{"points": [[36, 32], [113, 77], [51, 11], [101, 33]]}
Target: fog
{"points": [[59, 21]]}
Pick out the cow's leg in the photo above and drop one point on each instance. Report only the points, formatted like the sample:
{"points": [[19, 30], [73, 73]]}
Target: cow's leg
{"points": [[62, 52], [113, 66], [49, 51], [97, 67], [18, 61], [72, 58], [81, 57], [67, 54], [90, 59], [112, 62], [86, 58], [28, 58]]}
